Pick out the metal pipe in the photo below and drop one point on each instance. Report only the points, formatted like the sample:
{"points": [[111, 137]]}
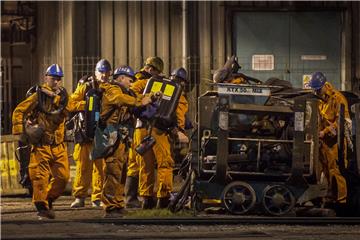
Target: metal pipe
{"points": [[184, 34], [258, 158], [261, 140], [254, 173]]}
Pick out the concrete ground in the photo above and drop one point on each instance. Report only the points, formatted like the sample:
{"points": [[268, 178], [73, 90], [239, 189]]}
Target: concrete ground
{"points": [[19, 221]]}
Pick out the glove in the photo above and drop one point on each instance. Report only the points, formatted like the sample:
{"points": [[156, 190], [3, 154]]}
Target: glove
{"points": [[150, 111]]}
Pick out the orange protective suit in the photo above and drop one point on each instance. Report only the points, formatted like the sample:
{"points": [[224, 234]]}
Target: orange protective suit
{"points": [[49, 157], [88, 173], [113, 189], [329, 113]]}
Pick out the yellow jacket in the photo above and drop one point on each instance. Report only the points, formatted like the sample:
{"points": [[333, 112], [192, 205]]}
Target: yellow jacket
{"points": [[53, 124], [114, 97], [329, 110], [139, 86], [80, 91]]}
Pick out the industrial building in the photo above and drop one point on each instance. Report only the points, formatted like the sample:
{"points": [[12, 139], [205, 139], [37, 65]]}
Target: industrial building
{"points": [[288, 40]]}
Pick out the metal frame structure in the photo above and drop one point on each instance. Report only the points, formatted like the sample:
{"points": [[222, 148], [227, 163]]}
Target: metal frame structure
{"points": [[239, 191]]}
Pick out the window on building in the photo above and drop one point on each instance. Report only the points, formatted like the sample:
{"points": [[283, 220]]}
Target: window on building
{"points": [[262, 62]]}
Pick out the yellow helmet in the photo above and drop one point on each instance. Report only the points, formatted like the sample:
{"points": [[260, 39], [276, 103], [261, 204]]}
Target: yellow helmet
{"points": [[155, 62]]}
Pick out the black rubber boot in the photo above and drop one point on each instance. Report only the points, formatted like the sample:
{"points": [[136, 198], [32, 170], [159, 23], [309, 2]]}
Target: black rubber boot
{"points": [[43, 211], [50, 203], [131, 192], [148, 203], [163, 202]]}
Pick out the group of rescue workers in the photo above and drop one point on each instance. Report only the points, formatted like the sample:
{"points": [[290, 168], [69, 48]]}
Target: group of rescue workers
{"points": [[41, 121]]}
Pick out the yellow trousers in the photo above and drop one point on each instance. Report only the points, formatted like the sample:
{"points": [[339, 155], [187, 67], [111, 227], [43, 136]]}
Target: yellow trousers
{"points": [[88, 173], [113, 189], [46, 161], [337, 182], [160, 155], [133, 162]]}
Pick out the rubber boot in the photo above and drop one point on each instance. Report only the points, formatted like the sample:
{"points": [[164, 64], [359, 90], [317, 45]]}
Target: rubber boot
{"points": [[43, 211], [78, 203], [97, 204], [163, 202], [50, 203], [148, 203], [131, 192]]}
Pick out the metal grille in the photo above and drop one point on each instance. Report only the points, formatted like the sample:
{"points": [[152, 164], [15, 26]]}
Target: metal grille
{"points": [[83, 66]]}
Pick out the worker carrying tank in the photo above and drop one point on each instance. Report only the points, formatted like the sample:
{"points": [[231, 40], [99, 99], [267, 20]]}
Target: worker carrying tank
{"points": [[89, 173], [159, 153], [179, 75], [229, 73], [150, 69], [48, 107], [113, 133], [178, 138], [329, 109]]}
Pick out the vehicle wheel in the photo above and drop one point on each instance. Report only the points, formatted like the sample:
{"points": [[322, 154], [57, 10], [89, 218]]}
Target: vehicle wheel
{"points": [[238, 197], [278, 200]]}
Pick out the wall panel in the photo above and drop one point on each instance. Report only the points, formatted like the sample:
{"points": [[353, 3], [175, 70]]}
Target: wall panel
{"points": [[218, 34], [121, 33], [107, 30], [176, 48], [205, 45], [149, 30], [163, 34], [135, 35]]}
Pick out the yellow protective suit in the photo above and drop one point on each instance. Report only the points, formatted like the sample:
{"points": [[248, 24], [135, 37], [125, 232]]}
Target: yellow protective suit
{"points": [[88, 172], [49, 157], [134, 158], [160, 154], [133, 162], [181, 110], [113, 189], [329, 112]]}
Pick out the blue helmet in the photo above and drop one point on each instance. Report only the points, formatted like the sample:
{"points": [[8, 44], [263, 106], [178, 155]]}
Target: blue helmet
{"points": [[180, 73], [317, 80], [54, 70], [103, 66], [124, 70]]}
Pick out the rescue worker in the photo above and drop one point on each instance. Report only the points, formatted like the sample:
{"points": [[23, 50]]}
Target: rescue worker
{"points": [[329, 109], [178, 138], [115, 113], [88, 172], [132, 178], [150, 69], [49, 107], [160, 153], [179, 75]]}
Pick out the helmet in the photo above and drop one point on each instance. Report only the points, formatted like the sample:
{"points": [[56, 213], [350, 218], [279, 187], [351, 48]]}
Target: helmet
{"points": [[54, 70], [142, 74], [103, 66], [180, 73], [155, 62], [317, 80], [221, 75], [124, 70]]}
